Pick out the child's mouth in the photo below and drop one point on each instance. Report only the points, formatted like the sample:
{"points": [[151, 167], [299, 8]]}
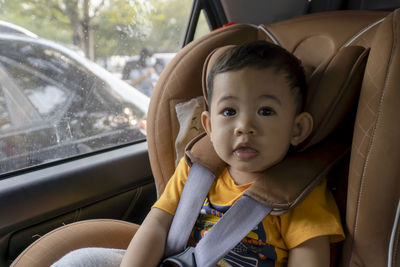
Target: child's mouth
{"points": [[245, 152]]}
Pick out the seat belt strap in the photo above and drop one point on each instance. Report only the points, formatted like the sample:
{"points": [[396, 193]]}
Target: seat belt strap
{"points": [[194, 193], [245, 214]]}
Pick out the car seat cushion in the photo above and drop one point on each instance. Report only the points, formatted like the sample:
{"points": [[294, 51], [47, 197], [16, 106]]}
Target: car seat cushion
{"points": [[188, 114]]}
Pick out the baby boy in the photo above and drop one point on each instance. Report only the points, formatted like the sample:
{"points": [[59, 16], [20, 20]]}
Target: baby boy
{"points": [[256, 93]]}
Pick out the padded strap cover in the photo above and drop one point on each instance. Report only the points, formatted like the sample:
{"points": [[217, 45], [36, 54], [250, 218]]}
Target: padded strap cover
{"points": [[279, 188]]}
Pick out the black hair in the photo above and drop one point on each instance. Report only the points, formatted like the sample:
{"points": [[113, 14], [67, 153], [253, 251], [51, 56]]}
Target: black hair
{"points": [[146, 52], [262, 55]]}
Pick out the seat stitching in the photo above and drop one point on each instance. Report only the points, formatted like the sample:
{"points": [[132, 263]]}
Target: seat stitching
{"points": [[378, 117], [269, 34], [396, 252], [361, 32]]}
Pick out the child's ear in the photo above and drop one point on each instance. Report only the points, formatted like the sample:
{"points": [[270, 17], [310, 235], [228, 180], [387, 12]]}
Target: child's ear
{"points": [[302, 128], [206, 121]]}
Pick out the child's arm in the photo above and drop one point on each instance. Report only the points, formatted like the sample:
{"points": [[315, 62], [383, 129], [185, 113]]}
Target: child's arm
{"points": [[147, 246], [312, 253]]}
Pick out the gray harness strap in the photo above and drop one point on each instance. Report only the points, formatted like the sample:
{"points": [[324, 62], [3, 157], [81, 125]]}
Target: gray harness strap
{"points": [[223, 236], [194, 193]]}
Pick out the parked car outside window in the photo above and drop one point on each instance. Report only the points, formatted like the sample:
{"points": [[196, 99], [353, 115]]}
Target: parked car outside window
{"points": [[55, 104]]}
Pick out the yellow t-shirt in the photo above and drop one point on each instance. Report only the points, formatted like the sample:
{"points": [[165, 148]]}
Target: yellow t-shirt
{"points": [[268, 243]]}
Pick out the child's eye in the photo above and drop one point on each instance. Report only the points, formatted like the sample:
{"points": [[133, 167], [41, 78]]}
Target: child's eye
{"points": [[229, 112], [266, 111]]}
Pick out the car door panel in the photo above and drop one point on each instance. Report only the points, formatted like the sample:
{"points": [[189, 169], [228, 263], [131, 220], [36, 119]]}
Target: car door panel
{"points": [[116, 184]]}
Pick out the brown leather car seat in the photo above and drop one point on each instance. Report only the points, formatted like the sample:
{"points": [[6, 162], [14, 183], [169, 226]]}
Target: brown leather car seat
{"points": [[316, 40]]}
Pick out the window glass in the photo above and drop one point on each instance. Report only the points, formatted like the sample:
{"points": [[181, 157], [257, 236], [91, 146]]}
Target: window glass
{"points": [[41, 91], [4, 119], [79, 80], [202, 26]]}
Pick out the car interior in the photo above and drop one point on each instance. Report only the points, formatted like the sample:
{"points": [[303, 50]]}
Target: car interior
{"points": [[350, 53]]}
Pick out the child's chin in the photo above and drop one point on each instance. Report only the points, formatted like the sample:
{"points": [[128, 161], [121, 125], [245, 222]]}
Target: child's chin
{"points": [[250, 168]]}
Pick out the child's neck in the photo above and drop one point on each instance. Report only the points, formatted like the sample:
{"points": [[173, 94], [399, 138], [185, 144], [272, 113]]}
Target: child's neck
{"points": [[241, 177]]}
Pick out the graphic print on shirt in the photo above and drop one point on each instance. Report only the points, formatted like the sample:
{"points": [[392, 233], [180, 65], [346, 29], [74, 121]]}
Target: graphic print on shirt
{"points": [[252, 251]]}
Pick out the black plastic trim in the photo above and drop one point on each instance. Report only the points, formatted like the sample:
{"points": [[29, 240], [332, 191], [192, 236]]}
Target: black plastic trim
{"points": [[214, 13], [192, 24]]}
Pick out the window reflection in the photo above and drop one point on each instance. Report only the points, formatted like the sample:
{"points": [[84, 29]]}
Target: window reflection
{"points": [[4, 119], [54, 107]]}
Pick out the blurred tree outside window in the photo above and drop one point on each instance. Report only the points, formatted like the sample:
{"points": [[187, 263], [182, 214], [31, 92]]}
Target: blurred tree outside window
{"points": [[103, 28]]}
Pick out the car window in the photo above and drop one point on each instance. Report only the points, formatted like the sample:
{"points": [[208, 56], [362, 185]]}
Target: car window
{"points": [[80, 81], [4, 117], [40, 89], [202, 26]]}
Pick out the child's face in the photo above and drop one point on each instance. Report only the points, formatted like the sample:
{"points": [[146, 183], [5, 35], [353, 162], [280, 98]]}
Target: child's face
{"points": [[252, 119]]}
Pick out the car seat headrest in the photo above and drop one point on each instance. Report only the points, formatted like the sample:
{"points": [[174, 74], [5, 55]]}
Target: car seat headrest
{"points": [[315, 39], [333, 88], [333, 91]]}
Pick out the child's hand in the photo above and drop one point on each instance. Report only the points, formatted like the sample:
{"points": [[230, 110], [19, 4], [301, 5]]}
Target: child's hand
{"points": [[312, 253]]}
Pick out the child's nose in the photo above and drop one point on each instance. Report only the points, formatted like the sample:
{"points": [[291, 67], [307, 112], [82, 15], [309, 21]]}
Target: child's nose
{"points": [[239, 131], [245, 127]]}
